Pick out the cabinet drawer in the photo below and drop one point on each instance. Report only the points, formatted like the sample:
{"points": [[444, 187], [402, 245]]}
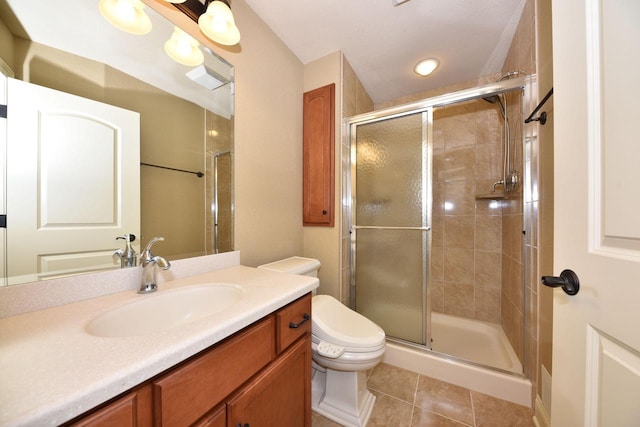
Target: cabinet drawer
{"points": [[292, 322], [190, 391]]}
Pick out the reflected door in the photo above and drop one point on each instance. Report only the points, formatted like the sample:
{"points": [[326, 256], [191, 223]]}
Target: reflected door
{"points": [[391, 214], [73, 182]]}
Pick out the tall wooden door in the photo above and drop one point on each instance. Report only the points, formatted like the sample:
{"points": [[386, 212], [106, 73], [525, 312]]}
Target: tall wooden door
{"points": [[596, 333], [73, 182]]}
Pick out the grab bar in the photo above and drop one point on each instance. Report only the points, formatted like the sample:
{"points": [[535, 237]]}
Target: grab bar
{"points": [[373, 227], [200, 174]]}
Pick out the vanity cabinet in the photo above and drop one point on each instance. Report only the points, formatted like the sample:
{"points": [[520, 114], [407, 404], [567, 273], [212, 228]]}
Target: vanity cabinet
{"points": [[132, 409], [318, 147], [258, 377]]}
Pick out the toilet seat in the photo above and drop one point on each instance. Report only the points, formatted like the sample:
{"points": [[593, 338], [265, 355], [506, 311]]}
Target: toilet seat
{"points": [[338, 325]]}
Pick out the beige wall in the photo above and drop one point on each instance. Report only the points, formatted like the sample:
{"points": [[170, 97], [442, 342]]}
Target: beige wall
{"points": [[323, 243], [268, 136], [6, 46], [331, 244]]}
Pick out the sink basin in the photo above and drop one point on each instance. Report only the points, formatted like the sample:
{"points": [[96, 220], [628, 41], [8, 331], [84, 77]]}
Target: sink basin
{"points": [[165, 310]]}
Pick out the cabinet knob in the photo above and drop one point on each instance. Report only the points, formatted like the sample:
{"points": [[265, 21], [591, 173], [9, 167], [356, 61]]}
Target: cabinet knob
{"points": [[324, 212]]}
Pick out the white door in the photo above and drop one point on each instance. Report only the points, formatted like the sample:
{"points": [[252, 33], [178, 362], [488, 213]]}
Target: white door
{"points": [[596, 333], [73, 182]]}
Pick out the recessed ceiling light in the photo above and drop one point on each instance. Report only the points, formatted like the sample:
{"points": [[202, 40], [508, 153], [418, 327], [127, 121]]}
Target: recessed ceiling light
{"points": [[426, 66]]}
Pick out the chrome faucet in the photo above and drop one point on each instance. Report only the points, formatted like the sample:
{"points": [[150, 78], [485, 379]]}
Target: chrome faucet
{"points": [[148, 262]]}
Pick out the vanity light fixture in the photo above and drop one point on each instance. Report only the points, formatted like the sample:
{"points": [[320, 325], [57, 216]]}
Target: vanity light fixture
{"points": [[127, 15], [183, 48], [218, 24], [426, 66]]}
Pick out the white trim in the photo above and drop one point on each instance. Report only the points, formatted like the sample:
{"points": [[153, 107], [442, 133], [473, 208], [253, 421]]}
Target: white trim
{"points": [[541, 416]]}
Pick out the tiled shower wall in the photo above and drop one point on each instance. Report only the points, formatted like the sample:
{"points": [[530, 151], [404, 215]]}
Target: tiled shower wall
{"points": [[467, 225], [524, 216]]}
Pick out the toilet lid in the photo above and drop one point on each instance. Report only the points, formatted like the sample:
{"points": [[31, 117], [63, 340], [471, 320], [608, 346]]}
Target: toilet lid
{"points": [[337, 324]]}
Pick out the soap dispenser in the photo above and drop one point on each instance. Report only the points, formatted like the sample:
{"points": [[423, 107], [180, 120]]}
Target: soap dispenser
{"points": [[127, 256]]}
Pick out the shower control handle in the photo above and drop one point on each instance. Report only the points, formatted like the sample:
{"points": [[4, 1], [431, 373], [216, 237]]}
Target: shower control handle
{"points": [[568, 281]]}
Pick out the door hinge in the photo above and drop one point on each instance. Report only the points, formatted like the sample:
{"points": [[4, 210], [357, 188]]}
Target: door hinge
{"points": [[3, 221], [3, 111]]}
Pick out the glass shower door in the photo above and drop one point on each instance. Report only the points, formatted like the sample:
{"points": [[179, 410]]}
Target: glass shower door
{"points": [[391, 218]]}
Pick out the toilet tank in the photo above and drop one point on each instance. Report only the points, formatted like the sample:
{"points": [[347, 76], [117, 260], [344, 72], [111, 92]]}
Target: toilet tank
{"points": [[295, 265]]}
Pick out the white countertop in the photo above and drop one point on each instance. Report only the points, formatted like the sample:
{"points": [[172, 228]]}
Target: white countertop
{"points": [[51, 370]]}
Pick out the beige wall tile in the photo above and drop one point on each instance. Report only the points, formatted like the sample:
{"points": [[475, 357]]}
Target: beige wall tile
{"points": [[459, 231], [458, 265], [488, 233], [488, 269], [458, 299]]}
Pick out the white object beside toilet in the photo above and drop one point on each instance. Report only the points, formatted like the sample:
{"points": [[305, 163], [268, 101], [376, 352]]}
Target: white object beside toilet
{"points": [[345, 345]]}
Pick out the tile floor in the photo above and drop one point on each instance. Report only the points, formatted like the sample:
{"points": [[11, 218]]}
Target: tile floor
{"points": [[408, 399]]}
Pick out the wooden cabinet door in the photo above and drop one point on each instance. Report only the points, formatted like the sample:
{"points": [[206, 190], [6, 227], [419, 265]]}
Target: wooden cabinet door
{"points": [[217, 418], [191, 390], [131, 410], [318, 156], [280, 396]]}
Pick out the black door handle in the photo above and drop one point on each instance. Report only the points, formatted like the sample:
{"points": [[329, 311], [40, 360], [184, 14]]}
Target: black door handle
{"points": [[568, 281]]}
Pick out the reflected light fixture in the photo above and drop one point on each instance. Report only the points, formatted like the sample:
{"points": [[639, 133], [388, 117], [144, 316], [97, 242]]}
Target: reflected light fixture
{"points": [[127, 15], [183, 48], [426, 66], [218, 24]]}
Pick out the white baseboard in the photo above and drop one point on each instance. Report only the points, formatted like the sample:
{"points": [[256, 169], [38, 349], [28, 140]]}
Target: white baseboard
{"points": [[541, 417]]}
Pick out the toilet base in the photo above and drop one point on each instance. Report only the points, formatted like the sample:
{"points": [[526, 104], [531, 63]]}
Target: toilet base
{"points": [[342, 396]]}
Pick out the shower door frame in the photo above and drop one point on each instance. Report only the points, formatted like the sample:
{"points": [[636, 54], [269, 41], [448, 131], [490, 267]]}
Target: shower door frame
{"points": [[216, 201], [523, 83], [426, 192]]}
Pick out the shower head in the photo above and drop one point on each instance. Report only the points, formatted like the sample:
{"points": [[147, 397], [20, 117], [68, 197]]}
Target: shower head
{"points": [[492, 99]]}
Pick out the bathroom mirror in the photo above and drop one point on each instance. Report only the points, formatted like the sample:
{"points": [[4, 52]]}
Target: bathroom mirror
{"points": [[186, 124]]}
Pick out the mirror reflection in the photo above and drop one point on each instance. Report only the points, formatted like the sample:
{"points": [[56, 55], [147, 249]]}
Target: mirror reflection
{"points": [[89, 179]]}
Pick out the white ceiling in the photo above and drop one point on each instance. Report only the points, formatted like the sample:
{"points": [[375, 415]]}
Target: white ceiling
{"points": [[383, 43]]}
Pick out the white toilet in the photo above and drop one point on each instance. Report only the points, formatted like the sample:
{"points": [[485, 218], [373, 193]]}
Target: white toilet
{"points": [[345, 344]]}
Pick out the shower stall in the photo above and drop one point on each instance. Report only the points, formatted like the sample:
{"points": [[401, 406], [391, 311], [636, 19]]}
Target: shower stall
{"points": [[436, 223]]}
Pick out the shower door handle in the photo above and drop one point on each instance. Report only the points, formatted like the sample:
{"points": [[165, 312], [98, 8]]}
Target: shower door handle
{"points": [[568, 281]]}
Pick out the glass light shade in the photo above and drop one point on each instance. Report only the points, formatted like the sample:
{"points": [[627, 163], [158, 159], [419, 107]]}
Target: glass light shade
{"points": [[127, 15], [218, 24], [426, 67], [183, 48]]}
